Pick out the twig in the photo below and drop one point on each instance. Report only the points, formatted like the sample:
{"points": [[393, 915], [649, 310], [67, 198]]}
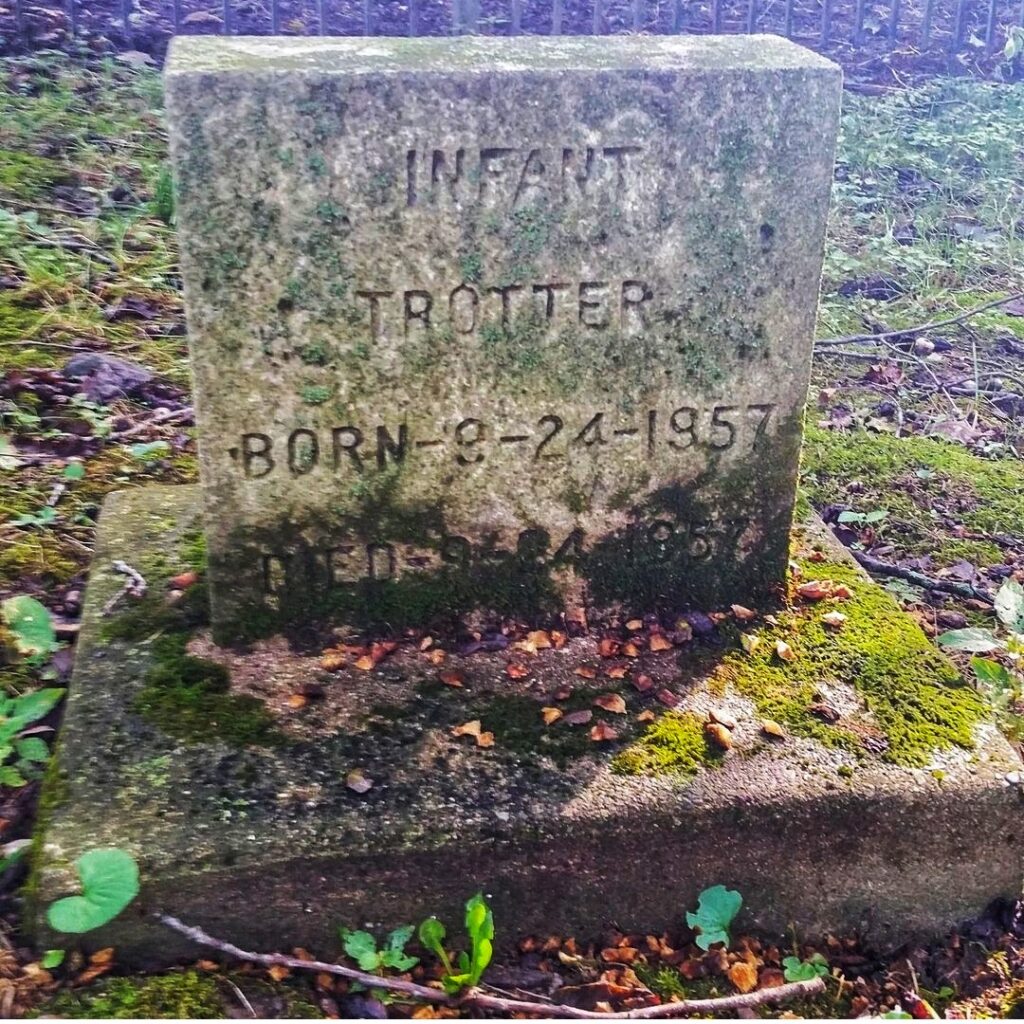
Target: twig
{"points": [[162, 417], [241, 998], [135, 585], [476, 999], [853, 339], [56, 494], [873, 564]]}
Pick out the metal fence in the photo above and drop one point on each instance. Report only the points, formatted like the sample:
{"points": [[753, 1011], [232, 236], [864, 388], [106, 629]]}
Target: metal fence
{"points": [[977, 28]]}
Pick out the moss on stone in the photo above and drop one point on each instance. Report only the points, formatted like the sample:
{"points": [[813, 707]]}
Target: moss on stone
{"points": [[189, 698], [913, 693], [185, 995], [674, 744]]}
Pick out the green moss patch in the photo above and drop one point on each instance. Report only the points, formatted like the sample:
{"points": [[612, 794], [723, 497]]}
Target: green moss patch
{"points": [[189, 698], [675, 744], [914, 694], [185, 995]]}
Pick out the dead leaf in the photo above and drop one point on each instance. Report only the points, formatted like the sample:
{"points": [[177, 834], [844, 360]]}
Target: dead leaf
{"points": [[102, 957], [749, 642], [558, 640], [551, 715], [473, 728], [184, 580], [208, 965], [607, 647], [278, 972], [562, 693], [825, 712], [643, 682], [436, 656], [578, 717], [540, 639], [815, 590], [635, 624], [365, 663], [668, 698], [659, 642], [515, 670], [617, 671], [619, 954], [611, 702], [722, 718], [358, 782], [646, 716], [841, 592], [743, 977], [630, 650], [485, 739], [770, 728], [784, 651], [586, 672], [834, 620], [296, 701], [452, 679], [426, 643], [603, 732], [719, 735], [742, 614], [331, 661]]}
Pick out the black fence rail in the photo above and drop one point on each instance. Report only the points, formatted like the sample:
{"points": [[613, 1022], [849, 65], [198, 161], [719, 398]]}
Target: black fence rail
{"points": [[857, 32]]}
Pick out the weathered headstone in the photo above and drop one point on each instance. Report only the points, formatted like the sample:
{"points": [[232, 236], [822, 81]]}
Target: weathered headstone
{"points": [[499, 323]]}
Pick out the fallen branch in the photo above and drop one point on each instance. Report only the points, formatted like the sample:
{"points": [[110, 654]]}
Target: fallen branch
{"points": [[919, 579], [477, 999], [135, 585], [854, 339]]}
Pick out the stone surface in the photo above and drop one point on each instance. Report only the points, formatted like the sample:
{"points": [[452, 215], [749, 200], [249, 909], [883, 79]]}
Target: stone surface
{"points": [[267, 845], [497, 324]]}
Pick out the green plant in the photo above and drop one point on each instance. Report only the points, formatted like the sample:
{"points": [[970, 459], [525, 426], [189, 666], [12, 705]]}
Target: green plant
{"points": [[110, 881], [850, 518], [31, 625], [813, 967], [1009, 607], [16, 745], [362, 947], [52, 958], [472, 964], [716, 908]]}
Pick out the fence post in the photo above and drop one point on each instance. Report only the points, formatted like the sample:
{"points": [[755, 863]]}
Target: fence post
{"points": [[990, 27], [926, 25], [638, 15], [517, 17], [414, 17], [556, 17], [826, 21], [894, 21], [752, 17], [598, 17]]}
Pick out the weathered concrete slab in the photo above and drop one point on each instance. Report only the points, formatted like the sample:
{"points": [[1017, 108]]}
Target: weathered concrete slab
{"points": [[493, 323], [262, 842]]}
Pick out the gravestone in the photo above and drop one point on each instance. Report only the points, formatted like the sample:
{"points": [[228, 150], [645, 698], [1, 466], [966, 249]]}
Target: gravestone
{"points": [[498, 324]]}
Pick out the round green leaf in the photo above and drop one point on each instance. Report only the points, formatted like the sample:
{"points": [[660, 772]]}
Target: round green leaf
{"points": [[30, 623], [110, 881]]}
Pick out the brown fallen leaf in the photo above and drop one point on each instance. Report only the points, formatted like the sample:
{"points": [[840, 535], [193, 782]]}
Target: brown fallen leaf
{"points": [[485, 739], [668, 698], [602, 732], [358, 782], [619, 954], [719, 735], [660, 642], [551, 715], [773, 729], [784, 651], [816, 556], [540, 639], [617, 671], [102, 957], [436, 656], [815, 590], [722, 718], [646, 716], [184, 580], [426, 643], [749, 642], [578, 717], [473, 728], [611, 702], [607, 647], [278, 972], [558, 639], [562, 693], [296, 701], [742, 614], [515, 670], [452, 679], [208, 965], [331, 661], [841, 592], [366, 663], [824, 711], [643, 682], [630, 650], [743, 977], [586, 672]]}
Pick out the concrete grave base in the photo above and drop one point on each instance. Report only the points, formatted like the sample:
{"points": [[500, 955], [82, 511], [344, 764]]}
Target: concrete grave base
{"points": [[268, 847]]}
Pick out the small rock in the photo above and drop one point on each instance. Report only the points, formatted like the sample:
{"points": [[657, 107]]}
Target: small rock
{"points": [[773, 729], [104, 377], [700, 623], [952, 619], [719, 735], [1013, 778]]}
